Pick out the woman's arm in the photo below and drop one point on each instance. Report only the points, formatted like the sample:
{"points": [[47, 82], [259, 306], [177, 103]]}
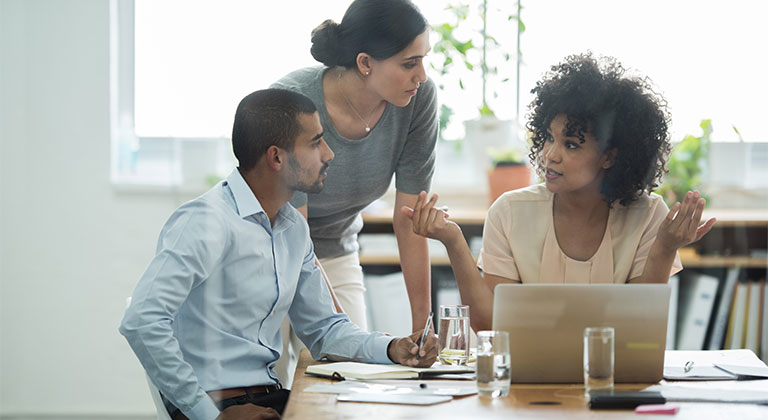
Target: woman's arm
{"points": [[414, 261], [680, 228], [336, 304], [476, 289]]}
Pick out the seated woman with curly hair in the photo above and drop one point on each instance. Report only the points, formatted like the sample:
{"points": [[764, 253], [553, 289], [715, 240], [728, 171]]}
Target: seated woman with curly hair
{"points": [[600, 142]]}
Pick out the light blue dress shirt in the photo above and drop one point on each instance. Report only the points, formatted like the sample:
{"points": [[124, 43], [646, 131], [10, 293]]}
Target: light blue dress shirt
{"points": [[206, 314]]}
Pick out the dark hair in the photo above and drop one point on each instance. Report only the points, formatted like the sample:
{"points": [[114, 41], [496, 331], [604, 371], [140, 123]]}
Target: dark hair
{"points": [[622, 112], [267, 118], [381, 28]]}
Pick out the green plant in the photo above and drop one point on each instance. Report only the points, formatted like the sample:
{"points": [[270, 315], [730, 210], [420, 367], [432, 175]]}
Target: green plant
{"points": [[451, 50], [506, 156], [213, 179], [685, 165]]}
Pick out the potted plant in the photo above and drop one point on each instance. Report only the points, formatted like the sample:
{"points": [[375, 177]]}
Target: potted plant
{"points": [[509, 171], [685, 165], [467, 54]]}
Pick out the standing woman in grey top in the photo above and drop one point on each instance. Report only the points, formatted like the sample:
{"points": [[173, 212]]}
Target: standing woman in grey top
{"points": [[379, 116]]}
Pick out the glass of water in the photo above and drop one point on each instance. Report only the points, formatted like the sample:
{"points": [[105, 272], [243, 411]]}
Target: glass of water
{"points": [[453, 334], [598, 359], [493, 363]]}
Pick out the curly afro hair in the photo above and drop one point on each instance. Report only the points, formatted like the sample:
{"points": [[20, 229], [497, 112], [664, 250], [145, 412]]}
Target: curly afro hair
{"points": [[622, 112]]}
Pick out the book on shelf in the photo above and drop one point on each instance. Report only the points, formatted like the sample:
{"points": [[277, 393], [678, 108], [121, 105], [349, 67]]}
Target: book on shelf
{"points": [[357, 370], [674, 287], [752, 331], [697, 297], [764, 329], [734, 338], [723, 310]]}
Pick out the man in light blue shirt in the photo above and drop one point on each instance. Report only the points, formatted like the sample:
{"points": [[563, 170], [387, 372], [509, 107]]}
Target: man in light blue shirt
{"points": [[205, 317]]}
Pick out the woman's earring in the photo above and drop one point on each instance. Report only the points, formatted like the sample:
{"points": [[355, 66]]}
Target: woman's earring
{"points": [[367, 73]]}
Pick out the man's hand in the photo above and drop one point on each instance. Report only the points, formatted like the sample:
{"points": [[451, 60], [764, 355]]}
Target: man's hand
{"points": [[403, 350], [248, 412]]}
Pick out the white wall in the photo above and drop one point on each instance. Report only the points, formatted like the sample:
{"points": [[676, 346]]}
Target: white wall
{"points": [[71, 248]]}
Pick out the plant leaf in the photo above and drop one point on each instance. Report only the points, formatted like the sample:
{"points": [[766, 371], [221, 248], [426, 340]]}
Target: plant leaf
{"points": [[486, 110]]}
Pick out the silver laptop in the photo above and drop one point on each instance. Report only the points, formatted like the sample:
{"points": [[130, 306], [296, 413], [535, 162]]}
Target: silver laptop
{"points": [[546, 326]]}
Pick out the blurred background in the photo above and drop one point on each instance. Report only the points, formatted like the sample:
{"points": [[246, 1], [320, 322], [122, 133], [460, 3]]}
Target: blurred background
{"points": [[114, 112]]}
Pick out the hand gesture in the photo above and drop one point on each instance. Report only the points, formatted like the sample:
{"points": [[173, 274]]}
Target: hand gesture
{"points": [[403, 350], [431, 222], [248, 412], [681, 226]]}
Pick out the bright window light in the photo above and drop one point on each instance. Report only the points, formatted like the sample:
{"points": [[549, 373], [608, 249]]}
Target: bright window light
{"points": [[195, 59]]}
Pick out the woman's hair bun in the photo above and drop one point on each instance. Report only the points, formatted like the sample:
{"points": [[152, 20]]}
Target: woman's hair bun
{"points": [[325, 43]]}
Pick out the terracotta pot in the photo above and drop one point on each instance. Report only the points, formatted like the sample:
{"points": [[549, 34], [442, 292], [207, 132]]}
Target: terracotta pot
{"points": [[507, 177]]}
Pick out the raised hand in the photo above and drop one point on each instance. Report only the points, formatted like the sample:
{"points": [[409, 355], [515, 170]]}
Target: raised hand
{"points": [[682, 226], [431, 222]]}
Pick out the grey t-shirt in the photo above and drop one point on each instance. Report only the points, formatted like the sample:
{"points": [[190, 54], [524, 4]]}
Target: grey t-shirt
{"points": [[402, 143]]}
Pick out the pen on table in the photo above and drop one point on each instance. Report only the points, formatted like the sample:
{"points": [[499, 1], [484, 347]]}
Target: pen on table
{"points": [[688, 366], [424, 336]]}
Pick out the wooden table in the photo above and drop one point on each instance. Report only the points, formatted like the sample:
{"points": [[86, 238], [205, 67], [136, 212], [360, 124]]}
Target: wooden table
{"points": [[572, 405]]}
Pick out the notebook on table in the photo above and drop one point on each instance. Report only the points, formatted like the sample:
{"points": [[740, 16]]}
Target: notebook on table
{"points": [[357, 370], [546, 324]]}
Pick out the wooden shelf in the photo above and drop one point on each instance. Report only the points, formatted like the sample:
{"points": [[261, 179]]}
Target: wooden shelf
{"points": [[476, 216], [736, 232], [745, 262], [462, 216], [395, 260], [688, 261]]}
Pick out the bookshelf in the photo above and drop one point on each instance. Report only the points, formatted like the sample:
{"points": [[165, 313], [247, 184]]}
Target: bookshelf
{"points": [[733, 242], [736, 245]]}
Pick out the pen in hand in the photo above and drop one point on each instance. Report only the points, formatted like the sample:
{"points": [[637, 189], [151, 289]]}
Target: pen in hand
{"points": [[424, 336]]}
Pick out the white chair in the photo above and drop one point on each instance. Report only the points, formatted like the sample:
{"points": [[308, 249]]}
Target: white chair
{"points": [[162, 413]]}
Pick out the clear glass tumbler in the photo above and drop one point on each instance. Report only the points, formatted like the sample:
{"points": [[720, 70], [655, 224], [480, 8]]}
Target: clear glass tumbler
{"points": [[598, 359], [453, 334], [493, 364]]}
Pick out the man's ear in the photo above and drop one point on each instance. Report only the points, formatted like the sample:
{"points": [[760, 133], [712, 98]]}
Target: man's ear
{"points": [[610, 158], [364, 63], [275, 157]]}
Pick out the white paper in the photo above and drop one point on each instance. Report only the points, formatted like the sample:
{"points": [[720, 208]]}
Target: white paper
{"points": [[404, 387]]}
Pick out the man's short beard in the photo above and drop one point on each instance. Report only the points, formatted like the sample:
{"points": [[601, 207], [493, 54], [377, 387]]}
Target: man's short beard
{"points": [[314, 188], [297, 184]]}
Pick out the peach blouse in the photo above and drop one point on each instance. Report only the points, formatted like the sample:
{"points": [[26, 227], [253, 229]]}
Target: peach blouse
{"points": [[519, 241]]}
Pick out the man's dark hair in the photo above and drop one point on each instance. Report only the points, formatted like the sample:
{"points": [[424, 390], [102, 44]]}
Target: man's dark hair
{"points": [[265, 118], [623, 112]]}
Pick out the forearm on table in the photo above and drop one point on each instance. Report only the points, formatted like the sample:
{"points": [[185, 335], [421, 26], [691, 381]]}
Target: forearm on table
{"points": [[414, 261], [472, 287]]}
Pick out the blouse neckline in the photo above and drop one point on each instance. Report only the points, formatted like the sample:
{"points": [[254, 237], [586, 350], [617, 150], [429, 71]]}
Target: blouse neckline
{"points": [[323, 110]]}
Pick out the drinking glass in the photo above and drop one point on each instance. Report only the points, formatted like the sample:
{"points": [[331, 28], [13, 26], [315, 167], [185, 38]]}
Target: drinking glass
{"points": [[493, 363], [453, 334], [598, 359]]}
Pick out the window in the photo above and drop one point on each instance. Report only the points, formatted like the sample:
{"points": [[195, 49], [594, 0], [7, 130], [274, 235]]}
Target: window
{"points": [[180, 67], [701, 54]]}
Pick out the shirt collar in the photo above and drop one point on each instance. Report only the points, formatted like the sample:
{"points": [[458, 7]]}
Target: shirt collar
{"points": [[247, 204]]}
